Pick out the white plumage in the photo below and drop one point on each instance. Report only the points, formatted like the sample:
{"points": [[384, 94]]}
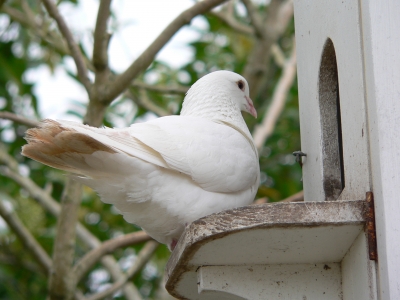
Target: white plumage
{"points": [[165, 173]]}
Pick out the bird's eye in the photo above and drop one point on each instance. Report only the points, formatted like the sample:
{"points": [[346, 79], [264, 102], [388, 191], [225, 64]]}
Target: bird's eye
{"points": [[240, 85]]}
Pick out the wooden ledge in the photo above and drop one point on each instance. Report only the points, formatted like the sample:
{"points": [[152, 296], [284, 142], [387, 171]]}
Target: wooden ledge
{"points": [[281, 233]]}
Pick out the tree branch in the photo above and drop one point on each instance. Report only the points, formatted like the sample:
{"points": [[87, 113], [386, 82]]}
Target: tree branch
{"points": [[279, 14], [255, 19], [142, 258], [18, 119], [8, 160], [282, 16], [27, 10], [100, 50], [298, 197], [26, 238], [50, 37], [91, 258], [62, 282], [101, 38], [43, 198], [145, 102], [144, 60], [26, 21], [278, 55], [227, 16], [129, 289], [52, 206], [73, 47], [233, 23], [263, 131], [161, 88]]}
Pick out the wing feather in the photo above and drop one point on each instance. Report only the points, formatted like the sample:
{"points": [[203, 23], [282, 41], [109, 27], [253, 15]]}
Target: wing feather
{"points": [[217, 157]]}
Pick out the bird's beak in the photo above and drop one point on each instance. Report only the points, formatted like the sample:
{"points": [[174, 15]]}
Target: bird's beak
{"points": [[250, 107]]}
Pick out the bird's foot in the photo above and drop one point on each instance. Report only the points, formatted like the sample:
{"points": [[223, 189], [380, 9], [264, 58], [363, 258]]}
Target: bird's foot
{"points": [[173, 244]]}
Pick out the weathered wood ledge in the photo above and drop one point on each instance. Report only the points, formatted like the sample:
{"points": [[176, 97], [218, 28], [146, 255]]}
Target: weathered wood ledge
{"points": [[281, 233]]}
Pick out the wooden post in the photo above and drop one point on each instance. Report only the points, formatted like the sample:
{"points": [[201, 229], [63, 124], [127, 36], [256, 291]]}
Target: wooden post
{"points": [[324, 248], [381, 43]]}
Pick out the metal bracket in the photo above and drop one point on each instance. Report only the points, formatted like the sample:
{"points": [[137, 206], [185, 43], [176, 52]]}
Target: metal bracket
{"points": [[370, 226]]}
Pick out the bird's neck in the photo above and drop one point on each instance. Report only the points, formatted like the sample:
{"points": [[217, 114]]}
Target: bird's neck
{"points": [[218, 108]]}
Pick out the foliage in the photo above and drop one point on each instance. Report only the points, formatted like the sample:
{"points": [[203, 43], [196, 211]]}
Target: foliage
{"points": [[21, 49]]}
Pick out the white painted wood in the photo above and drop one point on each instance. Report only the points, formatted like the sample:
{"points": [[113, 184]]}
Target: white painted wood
{"points": [[339, 20], [279, 246], [358, 272], [259, 282], [280, 235], [381, 38], [244, 253]]}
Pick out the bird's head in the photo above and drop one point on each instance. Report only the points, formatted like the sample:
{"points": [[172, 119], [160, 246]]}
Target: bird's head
{"points": [[224, 83]]}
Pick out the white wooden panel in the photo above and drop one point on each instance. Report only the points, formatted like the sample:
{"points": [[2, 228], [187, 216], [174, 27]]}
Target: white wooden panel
{"points": [[381, 33], [339, 20], [279, 246], [279, 235], [358, 272], [299, 281]]}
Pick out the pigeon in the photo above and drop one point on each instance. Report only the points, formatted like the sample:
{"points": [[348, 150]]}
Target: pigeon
{"points": [[165, 173]]}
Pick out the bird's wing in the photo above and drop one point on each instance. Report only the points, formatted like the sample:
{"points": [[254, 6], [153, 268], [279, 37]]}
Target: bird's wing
{"points": [[216, 156], [120, 140], [67, 145]]}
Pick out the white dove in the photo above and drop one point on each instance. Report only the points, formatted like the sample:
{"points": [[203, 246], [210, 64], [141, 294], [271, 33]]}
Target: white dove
{"points": [[165, 173]]}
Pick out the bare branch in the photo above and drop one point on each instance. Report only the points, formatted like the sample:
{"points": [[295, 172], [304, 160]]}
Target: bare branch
{"points": [[255, 19], [144, 60], [18, 119], [259, 201], [8, 160], [73, 47], [294, 198], [129, 289], [91, 258], [145, 102], [36, 192], [263, 131], [233, 23], [278, 55], [101, 38], [16, 15], [62, 281], [49, 37], [26, 238], [279, 14], [161, 88], [27, 9], [298, 197], [142, 258], [283, 15], [52, 206], [95, 111]]}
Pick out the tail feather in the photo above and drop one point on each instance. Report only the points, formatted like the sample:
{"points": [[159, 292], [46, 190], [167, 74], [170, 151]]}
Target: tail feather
{"points": [[54, 145]]}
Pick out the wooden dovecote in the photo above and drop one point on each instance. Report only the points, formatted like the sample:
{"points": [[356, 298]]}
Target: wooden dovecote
{"points": [[325, 248]]}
